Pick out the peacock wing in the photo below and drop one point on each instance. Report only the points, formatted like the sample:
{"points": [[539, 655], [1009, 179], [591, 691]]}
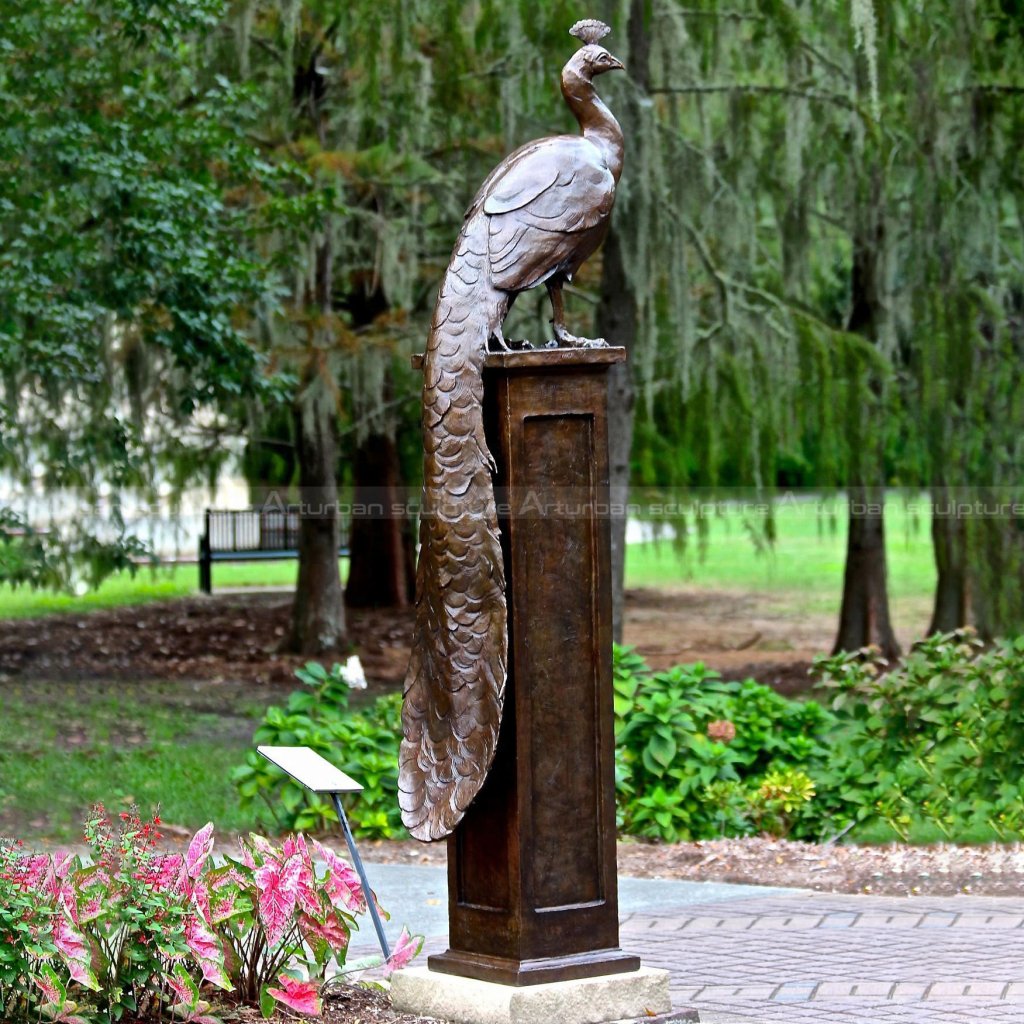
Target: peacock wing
{"points": [[543, 211]]}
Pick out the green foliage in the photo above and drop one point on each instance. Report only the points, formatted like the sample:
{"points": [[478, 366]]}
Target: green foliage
{"points": [[935, 739], [129, 273], [930, 744], [362, 743], [73, 560], [698, 757]]}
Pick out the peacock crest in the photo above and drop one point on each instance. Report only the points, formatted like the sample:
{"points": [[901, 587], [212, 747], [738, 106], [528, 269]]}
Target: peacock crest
{"points": [[589, 30]]}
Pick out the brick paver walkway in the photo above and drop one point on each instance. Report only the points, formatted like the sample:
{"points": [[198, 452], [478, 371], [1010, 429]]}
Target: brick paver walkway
{"points": [[794, 957], [815, 958]]}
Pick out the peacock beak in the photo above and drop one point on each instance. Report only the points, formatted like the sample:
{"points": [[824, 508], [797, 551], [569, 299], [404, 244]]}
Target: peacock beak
{"points": [[616, 64]]}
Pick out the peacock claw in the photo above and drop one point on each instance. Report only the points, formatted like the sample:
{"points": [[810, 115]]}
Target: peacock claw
{"points": [[567, 340], [520, 345]]}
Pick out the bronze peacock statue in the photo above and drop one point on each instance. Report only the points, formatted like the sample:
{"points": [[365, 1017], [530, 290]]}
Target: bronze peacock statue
{"points": [[541, 212]]}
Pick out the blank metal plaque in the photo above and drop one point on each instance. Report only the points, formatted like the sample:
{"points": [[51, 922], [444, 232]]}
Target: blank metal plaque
{"points": [[309, 769]]}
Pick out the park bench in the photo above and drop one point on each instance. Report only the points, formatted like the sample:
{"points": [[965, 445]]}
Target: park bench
{"points": [[251, 535]]}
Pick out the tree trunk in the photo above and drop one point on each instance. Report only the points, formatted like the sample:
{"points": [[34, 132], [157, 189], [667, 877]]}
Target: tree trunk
{"points": [[996, 542], [618, 320], [318, 613], [617, 323], [864, 617], [949, 539], [380, 573]]}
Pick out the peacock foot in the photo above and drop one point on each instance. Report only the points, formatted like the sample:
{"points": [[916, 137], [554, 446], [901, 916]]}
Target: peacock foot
{"points": [[563, 339]]}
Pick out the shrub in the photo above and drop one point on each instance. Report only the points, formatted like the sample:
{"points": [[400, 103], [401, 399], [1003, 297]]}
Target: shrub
{"points": [[362, 743], [695, 753], [135, 932], [938, 738]]}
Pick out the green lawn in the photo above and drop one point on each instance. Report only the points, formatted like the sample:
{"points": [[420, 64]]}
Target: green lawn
{"points": [[149, 585], [65, 746], [805, 564]]}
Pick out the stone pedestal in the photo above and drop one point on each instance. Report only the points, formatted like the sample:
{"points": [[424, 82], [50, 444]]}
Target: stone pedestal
{"points": [[640, 995], [532, 877]]}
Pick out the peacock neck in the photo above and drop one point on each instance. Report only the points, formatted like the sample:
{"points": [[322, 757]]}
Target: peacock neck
{"points": [[595, 119]]}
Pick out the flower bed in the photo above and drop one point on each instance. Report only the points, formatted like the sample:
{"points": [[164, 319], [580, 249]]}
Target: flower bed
{"points": [[131, 933]]}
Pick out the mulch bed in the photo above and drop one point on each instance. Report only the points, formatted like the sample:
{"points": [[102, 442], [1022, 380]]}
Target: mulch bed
{"points": [[233, 637], [892, 870], [346, 1004]]}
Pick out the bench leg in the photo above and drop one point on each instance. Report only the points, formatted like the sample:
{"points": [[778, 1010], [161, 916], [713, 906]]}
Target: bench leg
{"points": [[205, 567]]}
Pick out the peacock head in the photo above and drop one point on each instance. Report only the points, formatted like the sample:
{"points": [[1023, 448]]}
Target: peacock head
{"points": [[592, 59]]}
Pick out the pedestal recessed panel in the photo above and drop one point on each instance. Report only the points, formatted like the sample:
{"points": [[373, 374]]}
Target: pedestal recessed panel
{"points": [[555, 575]]}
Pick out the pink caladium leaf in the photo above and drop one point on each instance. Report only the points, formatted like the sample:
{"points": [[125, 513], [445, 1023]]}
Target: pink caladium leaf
{"points": [[199, 850], [184, 988], [50, 985], [189, 1008], [307, 893], [63, 862], [199, 894], [296, 843], [301, 996], [222, 907], [265, 848], [405, 950], [32, 873], [247, 857], [332, 929], [164, 873], [74, 951], [90, 909], [342, 884], [278, 893], [206, 948]]}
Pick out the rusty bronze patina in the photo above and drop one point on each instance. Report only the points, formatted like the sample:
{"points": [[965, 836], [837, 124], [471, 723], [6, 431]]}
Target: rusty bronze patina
{"points": [[536, 218]]}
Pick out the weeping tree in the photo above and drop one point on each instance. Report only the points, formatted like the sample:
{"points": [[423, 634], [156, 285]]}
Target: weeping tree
{"points": [[734, 293], [962, 314], [792, 226], [388, 113]]}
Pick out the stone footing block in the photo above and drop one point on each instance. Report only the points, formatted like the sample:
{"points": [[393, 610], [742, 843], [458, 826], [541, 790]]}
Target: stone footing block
{"points": [[610, 997]]}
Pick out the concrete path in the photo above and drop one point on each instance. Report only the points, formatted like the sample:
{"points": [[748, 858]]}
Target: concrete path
{"points": [[789, 956]]}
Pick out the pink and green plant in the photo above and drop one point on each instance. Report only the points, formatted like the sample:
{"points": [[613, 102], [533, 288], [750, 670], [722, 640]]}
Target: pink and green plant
{"points": [[133, 932]]}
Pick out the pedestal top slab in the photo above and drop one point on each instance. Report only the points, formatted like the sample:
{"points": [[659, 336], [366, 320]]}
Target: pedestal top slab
{"points": [[537, 358]]}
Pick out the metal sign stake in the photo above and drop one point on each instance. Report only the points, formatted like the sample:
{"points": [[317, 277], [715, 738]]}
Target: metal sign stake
{"points": [[318, 775], [358, 861]]}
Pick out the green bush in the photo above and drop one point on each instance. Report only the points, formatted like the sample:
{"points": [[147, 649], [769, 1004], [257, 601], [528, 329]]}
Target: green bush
{"points": [[937, 739], [362, 743], [695, 754]]}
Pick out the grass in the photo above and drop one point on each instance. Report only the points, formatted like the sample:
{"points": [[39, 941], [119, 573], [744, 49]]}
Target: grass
{"points": [[159, 584], [804, 566], [64, 747], [921, 833], [806, 560]]}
